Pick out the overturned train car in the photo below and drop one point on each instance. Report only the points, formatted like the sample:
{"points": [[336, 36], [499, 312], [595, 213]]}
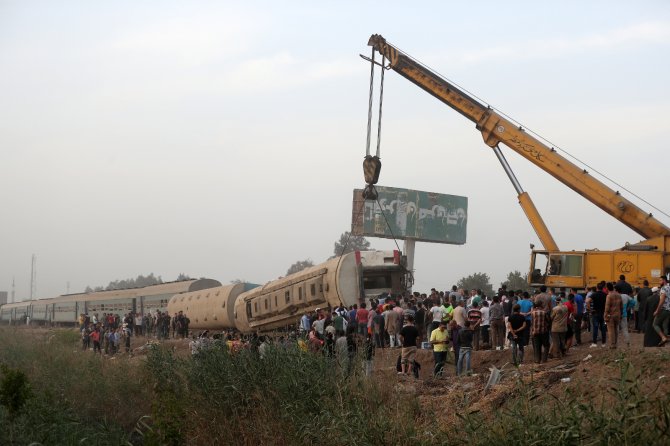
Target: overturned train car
{"points": [[346, 280]]}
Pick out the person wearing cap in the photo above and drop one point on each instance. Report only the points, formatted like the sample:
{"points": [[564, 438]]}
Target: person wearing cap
{"points": [[439, 339], [662, 313]]}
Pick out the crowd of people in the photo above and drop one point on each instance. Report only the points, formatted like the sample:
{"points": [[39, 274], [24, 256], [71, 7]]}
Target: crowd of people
{"points": [[452, 323], [108, 333], [552, 321]]}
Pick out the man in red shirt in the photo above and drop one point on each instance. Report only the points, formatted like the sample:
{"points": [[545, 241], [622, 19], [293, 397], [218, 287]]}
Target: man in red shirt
{"points": [[362, 319], [95, 337]]}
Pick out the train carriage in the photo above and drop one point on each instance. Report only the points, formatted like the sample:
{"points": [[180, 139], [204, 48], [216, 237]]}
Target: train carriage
{"points": [[346, 280], [65, 309]]}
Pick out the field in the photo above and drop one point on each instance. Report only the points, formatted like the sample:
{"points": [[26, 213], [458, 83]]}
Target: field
{"points": [[52, 393]]}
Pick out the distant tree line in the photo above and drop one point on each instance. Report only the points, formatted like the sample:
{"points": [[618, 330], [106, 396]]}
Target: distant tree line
{"points": [[138, 282]]}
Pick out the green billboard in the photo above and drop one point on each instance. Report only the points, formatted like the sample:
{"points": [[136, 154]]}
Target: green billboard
{"points": [[411, 214]]}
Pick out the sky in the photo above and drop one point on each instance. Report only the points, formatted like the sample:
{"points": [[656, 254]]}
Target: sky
{"points": [[224, 139]]}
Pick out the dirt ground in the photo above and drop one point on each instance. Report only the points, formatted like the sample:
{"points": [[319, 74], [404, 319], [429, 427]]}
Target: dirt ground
{"points": [[587, 371]]}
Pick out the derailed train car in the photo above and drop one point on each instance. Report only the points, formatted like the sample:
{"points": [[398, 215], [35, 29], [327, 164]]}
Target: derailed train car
{"points": [[346, 280], [64, 310]]}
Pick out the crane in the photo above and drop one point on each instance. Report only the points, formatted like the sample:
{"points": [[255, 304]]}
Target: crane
{"points": [[648, 259]]}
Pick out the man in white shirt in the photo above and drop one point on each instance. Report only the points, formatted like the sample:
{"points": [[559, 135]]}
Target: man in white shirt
{"points": [[438, 313], [485, 322]]}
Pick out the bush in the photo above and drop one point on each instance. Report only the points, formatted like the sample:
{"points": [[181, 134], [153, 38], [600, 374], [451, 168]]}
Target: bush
{"points": [[286, 397]]}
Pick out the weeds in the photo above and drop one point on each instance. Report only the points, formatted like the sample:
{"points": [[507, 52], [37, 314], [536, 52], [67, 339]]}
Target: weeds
{"points": [[51, 393], [286, 397]]}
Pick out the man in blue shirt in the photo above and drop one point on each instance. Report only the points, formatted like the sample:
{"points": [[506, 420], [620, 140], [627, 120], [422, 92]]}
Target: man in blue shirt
{"points": [[579, 302], [526, 307]]}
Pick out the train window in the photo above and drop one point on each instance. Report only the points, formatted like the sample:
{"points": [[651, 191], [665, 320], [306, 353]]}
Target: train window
{"points": [[320, 288], [300, 293], [287, 296], [256, 307], [276, 304], [266, 304], [313, 289], [223, 305], [377, 282]]}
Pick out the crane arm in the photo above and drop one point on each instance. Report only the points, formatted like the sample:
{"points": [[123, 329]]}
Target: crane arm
{"points": [[497, 129]]}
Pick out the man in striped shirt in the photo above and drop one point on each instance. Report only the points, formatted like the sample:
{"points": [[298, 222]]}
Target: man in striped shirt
{"points": [[539, 332]]}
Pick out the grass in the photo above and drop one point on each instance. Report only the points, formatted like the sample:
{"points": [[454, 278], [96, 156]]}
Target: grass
{"points": [[51, 393]]}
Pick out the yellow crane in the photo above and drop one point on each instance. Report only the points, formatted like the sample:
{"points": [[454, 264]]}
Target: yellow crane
{"points": [[648, 259]]}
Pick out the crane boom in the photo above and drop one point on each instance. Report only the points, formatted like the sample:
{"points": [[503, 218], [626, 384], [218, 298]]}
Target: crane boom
{"points": [[497, 129]]}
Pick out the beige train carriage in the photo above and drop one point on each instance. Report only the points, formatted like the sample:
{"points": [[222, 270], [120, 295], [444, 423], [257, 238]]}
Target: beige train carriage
{"points": [[209, 309], [339, 281]]}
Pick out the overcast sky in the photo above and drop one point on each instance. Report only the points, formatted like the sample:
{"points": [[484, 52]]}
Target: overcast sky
{"points": [[224, 139]]}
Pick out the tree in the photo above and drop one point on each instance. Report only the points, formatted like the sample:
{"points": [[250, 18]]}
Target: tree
{"points": [[183, 276], [236, 281], [350, 243], [477, 281], [515, 281], [299, 266], [139, 282]]}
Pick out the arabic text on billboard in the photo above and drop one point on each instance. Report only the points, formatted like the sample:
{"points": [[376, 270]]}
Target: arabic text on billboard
{"points": [[411, 214]]}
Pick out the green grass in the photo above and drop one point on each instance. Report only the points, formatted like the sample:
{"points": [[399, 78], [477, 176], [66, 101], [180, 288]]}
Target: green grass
{"points": [[51, 393]]}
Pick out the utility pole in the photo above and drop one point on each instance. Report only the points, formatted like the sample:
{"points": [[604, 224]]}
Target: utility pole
{"points": [[33, 278], [13, 289]]}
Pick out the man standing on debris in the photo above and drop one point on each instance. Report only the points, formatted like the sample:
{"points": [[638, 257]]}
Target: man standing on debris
{"points": [[598, 299], [539, 331], [559, 326], [475, 318], [408, 335], [516, 325], [496, 317], [439, 338], [465, 350], [613, 310]]}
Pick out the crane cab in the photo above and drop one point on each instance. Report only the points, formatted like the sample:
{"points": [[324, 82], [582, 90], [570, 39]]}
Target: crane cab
{"points": [[557, 269], [581, 269]]}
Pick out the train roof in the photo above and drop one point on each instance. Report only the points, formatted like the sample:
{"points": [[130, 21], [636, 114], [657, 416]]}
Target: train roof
{"points": [[170, 288]]}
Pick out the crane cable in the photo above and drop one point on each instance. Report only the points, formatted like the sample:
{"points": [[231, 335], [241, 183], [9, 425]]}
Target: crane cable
{"points": [[371, 95], [548, 142], [381, 99]]}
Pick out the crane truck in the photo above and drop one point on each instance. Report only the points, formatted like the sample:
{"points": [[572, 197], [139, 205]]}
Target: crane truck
{"points": [[647, 260]]}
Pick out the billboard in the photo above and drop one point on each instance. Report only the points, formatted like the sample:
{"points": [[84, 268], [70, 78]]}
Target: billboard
{"points": [[411, 214]]}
